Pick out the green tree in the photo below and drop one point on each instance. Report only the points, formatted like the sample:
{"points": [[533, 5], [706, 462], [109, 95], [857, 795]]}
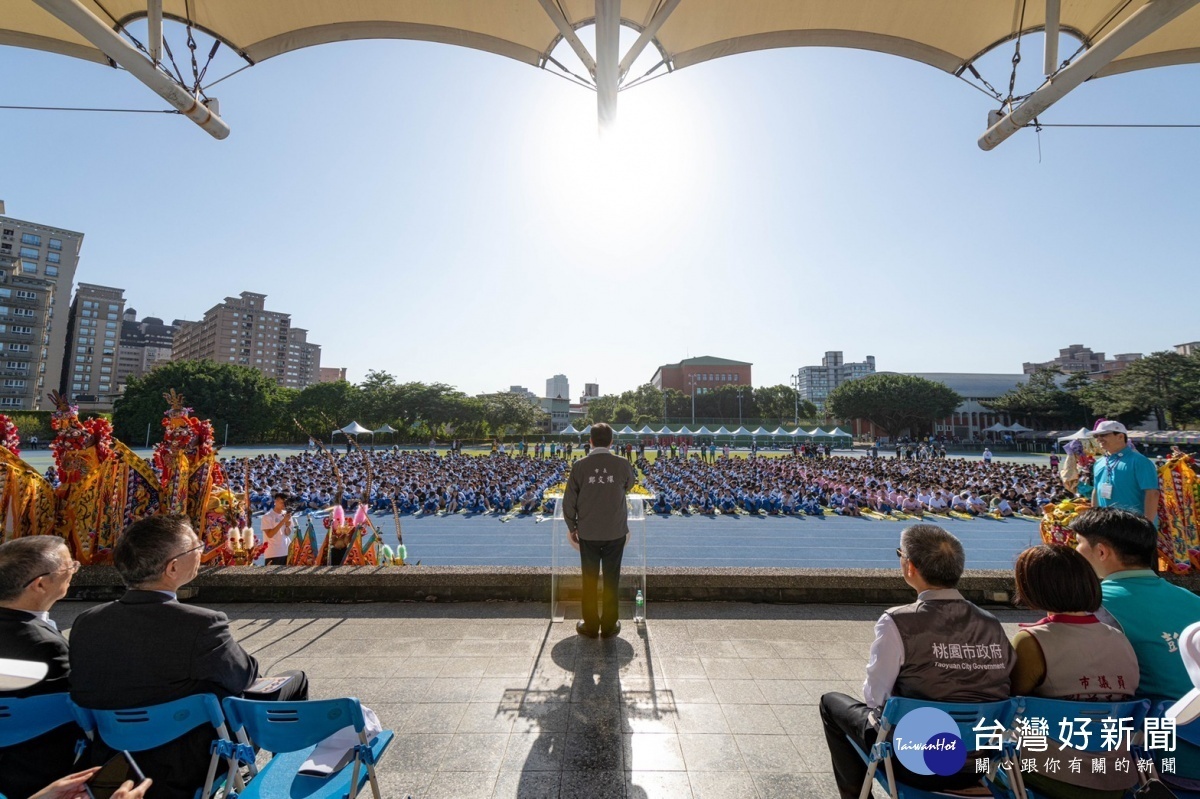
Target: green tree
{"points": [[894, 403], [377, 399], [244, 398], [1165, 385], [506, 412], [623, 414], [1046, 402], [647, 400], [778, 403], [678, 403], [321, 408], [601, 409]]}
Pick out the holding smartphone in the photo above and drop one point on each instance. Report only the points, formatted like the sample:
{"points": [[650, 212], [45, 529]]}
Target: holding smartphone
{"points": [[112, 775]]}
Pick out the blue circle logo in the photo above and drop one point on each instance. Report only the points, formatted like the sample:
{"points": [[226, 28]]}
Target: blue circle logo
{"points": [[926, 741]]}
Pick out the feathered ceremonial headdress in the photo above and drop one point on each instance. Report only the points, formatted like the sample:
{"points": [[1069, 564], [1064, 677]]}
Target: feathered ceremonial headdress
{"points": [[64, 414]]}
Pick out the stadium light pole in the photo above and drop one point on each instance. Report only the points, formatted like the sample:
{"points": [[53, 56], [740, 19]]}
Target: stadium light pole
{"points": [[692, 383], [796, 395]]}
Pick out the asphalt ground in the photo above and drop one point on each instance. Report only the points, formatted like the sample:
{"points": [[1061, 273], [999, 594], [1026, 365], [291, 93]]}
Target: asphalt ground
{"points": [[702, 541]]}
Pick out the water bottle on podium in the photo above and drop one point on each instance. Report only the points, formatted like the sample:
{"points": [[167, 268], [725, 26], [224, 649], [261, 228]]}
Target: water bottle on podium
{"points": [[639, 608]]}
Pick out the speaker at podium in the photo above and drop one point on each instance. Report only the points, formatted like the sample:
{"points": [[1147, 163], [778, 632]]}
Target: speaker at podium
{"points": [[566, 580]]}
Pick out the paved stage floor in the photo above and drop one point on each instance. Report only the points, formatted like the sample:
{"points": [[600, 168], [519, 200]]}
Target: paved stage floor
{"points": [[492, 700]]}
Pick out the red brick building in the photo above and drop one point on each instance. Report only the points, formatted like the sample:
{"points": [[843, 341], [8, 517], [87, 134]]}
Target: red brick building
{"points": [[705, 373]]}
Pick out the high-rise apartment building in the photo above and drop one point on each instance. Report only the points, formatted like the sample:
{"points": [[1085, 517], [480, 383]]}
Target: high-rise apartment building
{"points": [[21, 339], [331, 374], [558, 386], [814, 383], [89, 364], [590, 392], [144, 345], [303, 360], [1078, 358], [37, 266], [240, 330]]}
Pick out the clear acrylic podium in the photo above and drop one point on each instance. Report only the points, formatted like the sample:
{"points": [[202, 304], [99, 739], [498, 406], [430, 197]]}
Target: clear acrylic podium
{"points": [[566, 580]]}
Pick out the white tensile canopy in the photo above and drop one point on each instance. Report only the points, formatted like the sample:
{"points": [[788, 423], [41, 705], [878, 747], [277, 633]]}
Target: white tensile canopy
{"points": [[684, 431], [646, 431], [626, 431], [819, 433], [950, 35], [354, 429], [800, 431], [387, 428], [997, 428], [663, 431], [1017, 427], [1081, 433], [840, 433], [721, 431], [779, 431], [741, 431], [704, 431], [585, 430], [569, 430], [761, 431]]}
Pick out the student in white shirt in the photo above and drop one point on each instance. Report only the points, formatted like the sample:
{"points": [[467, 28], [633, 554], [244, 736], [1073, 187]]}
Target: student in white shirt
{"points": [[277, 527]]}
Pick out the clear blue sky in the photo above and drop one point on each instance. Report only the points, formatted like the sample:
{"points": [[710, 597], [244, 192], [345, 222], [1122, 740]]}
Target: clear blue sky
{"points": [[447, 215]]}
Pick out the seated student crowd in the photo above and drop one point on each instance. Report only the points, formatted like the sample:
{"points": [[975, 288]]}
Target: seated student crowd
{"points": [[144, 649], [1109, 634]]}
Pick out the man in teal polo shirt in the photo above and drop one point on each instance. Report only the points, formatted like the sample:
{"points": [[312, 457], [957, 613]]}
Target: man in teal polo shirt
{"points": [[1122, 546], [1124, 477]]}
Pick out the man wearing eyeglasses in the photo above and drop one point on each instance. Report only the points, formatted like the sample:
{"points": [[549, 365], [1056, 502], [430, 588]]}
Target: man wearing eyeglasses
{"points": [[148, 648], [35, 572], [1123, 478], [941, 648]]}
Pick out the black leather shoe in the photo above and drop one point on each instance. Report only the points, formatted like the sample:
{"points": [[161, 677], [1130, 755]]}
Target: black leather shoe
{"points": [[612, 631], [584, 630]]}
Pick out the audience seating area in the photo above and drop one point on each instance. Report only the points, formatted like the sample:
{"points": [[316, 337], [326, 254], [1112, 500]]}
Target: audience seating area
{"points": [[1004, 779], [288, 730]]}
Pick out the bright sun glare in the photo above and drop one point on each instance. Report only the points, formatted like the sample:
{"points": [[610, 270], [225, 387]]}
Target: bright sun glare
{"points": [[621, 185]]}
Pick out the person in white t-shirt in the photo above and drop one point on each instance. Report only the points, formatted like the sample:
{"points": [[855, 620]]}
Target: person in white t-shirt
{"points": [[277, 528]]}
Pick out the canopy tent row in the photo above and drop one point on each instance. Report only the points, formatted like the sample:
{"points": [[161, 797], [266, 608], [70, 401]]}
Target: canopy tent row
{"points": [[355, 429], [947, 34]]}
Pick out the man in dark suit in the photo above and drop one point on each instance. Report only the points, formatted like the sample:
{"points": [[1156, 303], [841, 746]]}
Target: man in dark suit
{"points": [[597, 521], [148, 648], [35, 572]]}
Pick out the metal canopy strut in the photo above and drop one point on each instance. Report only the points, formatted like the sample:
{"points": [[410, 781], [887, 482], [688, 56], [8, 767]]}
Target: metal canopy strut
{"points": [[608, 51], [568, 32], [90, 27], [1140, 24], [646, 37]]}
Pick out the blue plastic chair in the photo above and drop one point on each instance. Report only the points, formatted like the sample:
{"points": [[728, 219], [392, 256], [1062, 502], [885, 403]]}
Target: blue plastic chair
{"points": [[967, 716], [1187, 737], [23, 720], [139, 729], [1056, 710], [290, 731]]}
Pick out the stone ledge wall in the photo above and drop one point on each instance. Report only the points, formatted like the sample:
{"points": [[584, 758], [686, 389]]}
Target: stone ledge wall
{"points": [[532, 584]]}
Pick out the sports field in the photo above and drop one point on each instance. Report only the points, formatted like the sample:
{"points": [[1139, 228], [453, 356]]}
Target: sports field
{"points": [[701, 541]]}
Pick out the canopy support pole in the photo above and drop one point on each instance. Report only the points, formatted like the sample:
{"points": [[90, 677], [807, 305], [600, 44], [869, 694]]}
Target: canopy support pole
{"points": [[1053, 9], [568, 33], [648, 35], [1140, 24], [608, 52], [154, 22], [90, 27]]}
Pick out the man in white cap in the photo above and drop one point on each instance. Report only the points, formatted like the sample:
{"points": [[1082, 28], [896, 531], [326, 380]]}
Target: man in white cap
{"points": [[1123, 478]]}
